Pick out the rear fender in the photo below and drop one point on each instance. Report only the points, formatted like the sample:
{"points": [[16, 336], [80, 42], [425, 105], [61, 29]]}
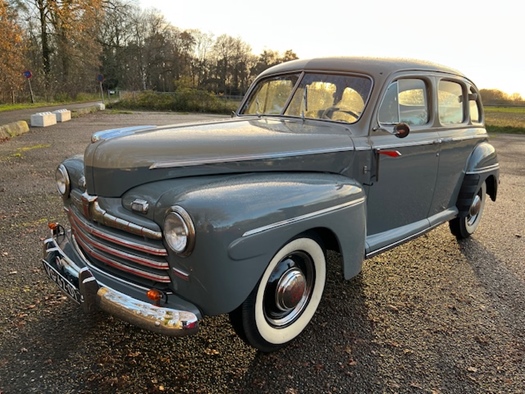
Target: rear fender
{"points": [[482, 166]]}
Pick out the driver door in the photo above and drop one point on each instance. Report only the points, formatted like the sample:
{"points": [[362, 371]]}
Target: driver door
{"points": [[400, 195]]}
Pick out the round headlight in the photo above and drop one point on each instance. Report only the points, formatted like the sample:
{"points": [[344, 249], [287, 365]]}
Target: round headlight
{"points": [[62, 180], [179, 232]]}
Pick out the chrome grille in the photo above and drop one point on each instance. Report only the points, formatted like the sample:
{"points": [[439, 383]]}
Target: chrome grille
{"points": [[116, 251]]}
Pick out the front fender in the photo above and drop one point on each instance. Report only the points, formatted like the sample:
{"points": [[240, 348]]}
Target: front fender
{"points": [[242, 221]]}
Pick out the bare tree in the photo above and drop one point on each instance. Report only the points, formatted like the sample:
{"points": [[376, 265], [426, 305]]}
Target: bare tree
{"points": [[231, 59], [62, 35], [115, 36], [201, 62]]}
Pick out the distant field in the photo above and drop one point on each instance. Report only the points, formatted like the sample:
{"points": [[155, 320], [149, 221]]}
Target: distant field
{"points": [[505, 119]]}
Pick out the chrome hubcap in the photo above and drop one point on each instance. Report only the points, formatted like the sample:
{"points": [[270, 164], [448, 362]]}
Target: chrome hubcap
{"points": [[289, 289], [474, 210]]}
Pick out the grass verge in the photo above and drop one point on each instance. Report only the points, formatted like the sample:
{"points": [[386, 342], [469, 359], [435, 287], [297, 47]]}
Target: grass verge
{"points": [[509, 120]]}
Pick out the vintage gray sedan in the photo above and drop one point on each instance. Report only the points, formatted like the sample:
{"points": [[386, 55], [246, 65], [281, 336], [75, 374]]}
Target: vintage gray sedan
{"points": [[356, 155]]}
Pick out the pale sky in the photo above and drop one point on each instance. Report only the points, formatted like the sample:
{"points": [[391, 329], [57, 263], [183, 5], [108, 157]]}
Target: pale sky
{"points": [[483, 40]]}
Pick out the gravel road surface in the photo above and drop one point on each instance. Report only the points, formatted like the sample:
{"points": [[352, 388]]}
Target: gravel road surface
{"points": [[432, 316]]}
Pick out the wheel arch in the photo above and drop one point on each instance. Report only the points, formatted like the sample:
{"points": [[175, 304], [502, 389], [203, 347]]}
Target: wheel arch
{"points": [[492, 186], [482, 166]]}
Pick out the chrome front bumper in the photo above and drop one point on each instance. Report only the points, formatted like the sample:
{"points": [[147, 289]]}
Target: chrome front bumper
{"points": [[80, 285]]}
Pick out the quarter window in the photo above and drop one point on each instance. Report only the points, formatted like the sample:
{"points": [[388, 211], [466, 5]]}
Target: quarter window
{"points": [[450, 103], [405, 101]]}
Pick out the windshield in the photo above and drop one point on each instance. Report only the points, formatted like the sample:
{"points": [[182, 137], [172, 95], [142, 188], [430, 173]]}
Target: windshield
{"points": [[315, 96]]}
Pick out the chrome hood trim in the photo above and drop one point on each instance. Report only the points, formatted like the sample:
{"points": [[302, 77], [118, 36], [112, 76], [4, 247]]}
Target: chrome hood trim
{"points": [[231, 159], [121, 132]]}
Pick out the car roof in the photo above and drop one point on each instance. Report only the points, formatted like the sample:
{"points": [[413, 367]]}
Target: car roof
{"points": [[364, 65]]}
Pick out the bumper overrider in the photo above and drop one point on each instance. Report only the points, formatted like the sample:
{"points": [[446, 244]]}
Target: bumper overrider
{"points": [[68, 269]]}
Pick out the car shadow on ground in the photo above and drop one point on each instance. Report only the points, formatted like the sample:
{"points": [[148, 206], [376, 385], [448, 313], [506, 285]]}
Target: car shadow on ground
{"points": [[500, 282]]}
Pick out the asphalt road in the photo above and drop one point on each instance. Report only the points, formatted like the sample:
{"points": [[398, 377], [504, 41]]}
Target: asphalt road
{"points": [[432, 316]]}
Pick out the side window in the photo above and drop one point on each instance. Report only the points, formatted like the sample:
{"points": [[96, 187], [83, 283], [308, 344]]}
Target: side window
{"points": [[405, 101], [474, 104], [450, 103]]}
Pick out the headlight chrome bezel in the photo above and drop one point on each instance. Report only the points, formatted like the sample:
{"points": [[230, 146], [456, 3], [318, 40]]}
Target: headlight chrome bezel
{"points": [[179, 231], [63, 182]]}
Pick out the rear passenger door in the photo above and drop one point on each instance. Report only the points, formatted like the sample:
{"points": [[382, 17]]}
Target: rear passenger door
{"points": [[460, 130]]}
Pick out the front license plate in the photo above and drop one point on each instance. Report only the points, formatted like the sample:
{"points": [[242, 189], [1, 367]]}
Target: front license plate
{"points": [[65, 285]]}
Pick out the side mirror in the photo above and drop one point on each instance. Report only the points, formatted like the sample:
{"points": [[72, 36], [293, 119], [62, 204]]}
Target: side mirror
{"points": [[401, 130]]}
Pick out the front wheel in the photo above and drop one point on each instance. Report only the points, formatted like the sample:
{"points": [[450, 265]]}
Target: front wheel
{"points": [[464, 227], [285, 299]]}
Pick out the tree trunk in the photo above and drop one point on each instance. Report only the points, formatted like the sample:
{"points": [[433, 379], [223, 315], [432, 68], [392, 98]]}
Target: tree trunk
{"points": [[46, 50]]}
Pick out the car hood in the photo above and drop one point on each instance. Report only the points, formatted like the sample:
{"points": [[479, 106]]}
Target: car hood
{"points": [[121, 159]]}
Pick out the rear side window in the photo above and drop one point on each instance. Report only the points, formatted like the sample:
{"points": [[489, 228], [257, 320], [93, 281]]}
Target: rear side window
{"points": [[450, 103], [405, 101]]}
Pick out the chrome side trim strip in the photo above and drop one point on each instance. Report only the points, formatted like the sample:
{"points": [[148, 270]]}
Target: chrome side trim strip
{"points": [[181, 274], [303, 217], [226, 159], [401, 241], [433, 141], [484, 169], [408, 144]]}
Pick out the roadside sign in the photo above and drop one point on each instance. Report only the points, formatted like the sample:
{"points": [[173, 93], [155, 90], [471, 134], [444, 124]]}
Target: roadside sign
{"points": [[28, 74]]}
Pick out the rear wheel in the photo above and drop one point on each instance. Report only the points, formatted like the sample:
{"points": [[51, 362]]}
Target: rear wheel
{"points": [[285, 299], [464, 227]]}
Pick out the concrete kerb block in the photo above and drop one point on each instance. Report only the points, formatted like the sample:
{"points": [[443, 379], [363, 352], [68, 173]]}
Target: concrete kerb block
{"points": [[100, 106], [13, 129], [43, 119], [63, 115]]}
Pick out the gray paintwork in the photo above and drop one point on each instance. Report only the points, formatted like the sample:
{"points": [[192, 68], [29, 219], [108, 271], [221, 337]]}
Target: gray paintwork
{"points": [[253, 183]]}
